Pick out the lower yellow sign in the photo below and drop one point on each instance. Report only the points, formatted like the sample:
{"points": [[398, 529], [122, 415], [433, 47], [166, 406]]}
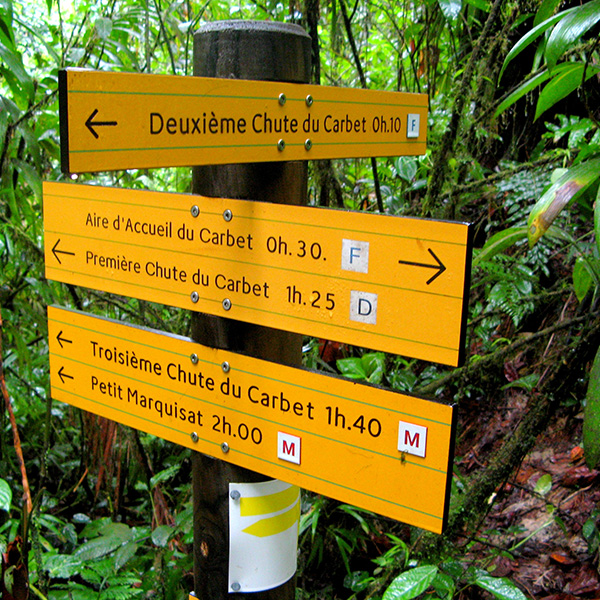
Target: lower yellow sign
{"points": [[377, 449]]}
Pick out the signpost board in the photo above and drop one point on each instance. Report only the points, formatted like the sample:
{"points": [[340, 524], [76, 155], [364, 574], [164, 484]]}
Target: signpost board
{"points": [[381, 450], [375, 281], [113, 121]]}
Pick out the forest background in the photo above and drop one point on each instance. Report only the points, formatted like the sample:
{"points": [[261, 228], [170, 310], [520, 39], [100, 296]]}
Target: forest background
{"points": [[89, 509]]}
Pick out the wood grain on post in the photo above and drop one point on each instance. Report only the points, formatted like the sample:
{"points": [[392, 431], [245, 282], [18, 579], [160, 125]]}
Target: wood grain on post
{"points": [[271, 52]]}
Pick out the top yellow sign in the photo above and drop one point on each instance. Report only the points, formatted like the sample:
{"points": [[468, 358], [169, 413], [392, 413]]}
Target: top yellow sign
{"points": [[112, 121]]}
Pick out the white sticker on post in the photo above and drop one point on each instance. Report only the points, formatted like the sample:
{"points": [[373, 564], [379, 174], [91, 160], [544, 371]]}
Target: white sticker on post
{"points": [[355, 256], [263, 534], [413, 123], [363, 307], [412, 439]]}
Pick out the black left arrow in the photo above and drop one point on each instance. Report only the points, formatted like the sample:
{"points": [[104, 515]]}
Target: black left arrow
{"points": [[56, 252], [63, 376], [440, 267], [90, 123], [61, 339]]}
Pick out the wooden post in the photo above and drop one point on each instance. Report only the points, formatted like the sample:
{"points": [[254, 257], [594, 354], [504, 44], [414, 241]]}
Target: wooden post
{"points": [[243, 50]]}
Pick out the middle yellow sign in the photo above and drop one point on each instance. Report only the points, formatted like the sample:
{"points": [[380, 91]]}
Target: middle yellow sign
{"points": [[388, 283]]}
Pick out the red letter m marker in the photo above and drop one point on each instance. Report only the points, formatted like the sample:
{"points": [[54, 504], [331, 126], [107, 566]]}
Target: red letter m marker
{"points": [[290, 449], [408, 441]]}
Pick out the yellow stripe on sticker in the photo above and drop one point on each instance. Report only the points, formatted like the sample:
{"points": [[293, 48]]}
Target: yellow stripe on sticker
{"points": [[278, 523], [264, 505]]}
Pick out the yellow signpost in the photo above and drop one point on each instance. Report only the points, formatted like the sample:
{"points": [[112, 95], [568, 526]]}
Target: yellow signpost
{"points": [[381, 450], [375, 281], [115, 121]]}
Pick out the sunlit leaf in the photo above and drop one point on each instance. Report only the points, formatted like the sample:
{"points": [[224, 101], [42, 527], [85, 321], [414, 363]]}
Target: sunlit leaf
{"points": [[591, 416], [567, 77], [450, 8], [564, 190], [501, 587], [352, 367], [570, 29], [103, 27], [543, 484], [5, 496], [411, 583]]}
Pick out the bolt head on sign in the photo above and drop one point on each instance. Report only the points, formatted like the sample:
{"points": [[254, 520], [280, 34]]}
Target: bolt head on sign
{"points": [[112, 121]]}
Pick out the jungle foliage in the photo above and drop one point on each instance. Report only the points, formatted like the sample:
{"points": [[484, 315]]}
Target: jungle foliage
{"points": [[89, 509]]}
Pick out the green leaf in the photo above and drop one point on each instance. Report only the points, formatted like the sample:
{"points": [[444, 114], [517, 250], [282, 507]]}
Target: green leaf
{"points": [[161, 535], [543, 484], [501, 587], [597, 220], [567, 77], [62, 566], [164, 475], [591, 416], [530, 37], [103, 27], [5, 496], [450, 8], [526, 87], [124, 553], [583, 278], [570, 29], [374, 366], [567, 187], [545, 11], [411, 583], [499, 242], [352, 367]]}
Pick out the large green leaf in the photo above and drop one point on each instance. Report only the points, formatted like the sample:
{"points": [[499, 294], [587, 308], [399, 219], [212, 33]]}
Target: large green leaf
{"points": [[569, 29], [567, 77], [501, 587], [591, 416], [531, 36], [570, 184], [499, 242], [411, 583], [5, 495], [526, 87], [545, 11]]}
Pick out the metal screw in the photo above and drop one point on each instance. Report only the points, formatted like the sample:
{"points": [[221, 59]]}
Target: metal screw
{"points": [[236, 587], [282, 99], [195, 211], [309, 100], [195, 297], [308, 144], [280, 145], [227, 215], [194, 437], [225, 366], [225, 447], [235, 495], [227, 304], [194, 358]]}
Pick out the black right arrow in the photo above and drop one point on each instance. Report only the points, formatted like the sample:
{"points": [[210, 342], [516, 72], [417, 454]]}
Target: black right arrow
{"points": [[60, 339], [56, 252], [63, 376], [440, 267], [90, 123]]}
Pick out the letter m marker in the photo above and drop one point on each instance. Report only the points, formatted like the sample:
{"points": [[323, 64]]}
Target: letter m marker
{"points": [[412, 439], [288, 447]]}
